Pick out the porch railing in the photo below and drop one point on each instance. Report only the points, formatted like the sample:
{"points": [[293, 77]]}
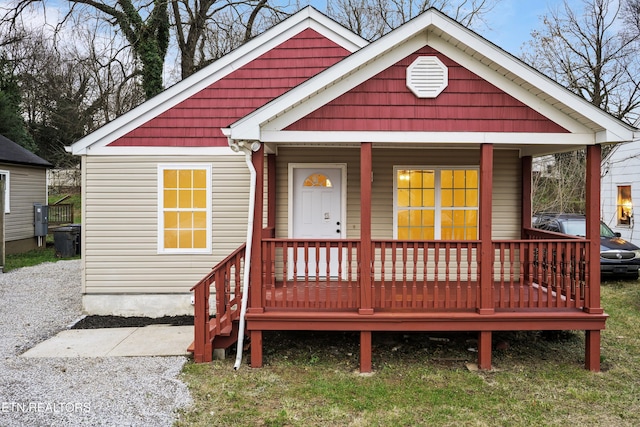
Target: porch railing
{"points": [[424, 274], [226, 279], [540, 273], [320, 274], [544, 272]]}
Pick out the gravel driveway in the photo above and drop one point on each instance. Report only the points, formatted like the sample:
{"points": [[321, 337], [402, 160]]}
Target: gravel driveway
{"points": [[35, 304]]}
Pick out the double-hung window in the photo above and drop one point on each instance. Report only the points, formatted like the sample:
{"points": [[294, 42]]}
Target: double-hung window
{"points": [[435, 203], [184, 208]]}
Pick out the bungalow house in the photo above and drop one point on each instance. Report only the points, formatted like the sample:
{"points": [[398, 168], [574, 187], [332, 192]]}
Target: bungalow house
{"points": [[620, 189], [25, 180], [369, 187]]}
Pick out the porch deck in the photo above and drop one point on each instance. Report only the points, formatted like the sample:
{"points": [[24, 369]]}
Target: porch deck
{"points": [[539, 283]]}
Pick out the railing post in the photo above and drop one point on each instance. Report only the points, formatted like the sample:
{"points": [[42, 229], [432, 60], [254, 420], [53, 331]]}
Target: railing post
{"points": [[255, 261], [592, 210], [202, 351], [366, 306]]}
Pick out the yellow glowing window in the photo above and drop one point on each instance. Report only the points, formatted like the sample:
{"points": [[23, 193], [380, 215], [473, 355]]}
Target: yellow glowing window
{"points": [[436, 204], [625, 205], [184, 221]]}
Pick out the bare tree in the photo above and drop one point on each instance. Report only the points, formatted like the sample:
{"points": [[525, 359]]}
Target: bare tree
{"points": [[558, 183], [592, 52], [205, 30], [69, 90], [372, 19], [145, 25]]}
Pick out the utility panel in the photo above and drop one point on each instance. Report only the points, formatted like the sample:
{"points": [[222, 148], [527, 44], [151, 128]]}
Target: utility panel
{"points": [[41, 219]]}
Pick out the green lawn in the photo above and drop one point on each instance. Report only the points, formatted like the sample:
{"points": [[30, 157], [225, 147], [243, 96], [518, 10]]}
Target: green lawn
{"points": [[428, 379]]}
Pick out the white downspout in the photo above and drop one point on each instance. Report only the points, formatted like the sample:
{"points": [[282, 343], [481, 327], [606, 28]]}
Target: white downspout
{"points": [[248, 248]]}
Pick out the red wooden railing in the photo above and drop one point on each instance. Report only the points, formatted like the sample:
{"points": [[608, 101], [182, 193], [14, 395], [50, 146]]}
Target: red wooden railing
{"points": [[226, 277], [425, 274], [319, 274], [540, 273], [546, 271]]}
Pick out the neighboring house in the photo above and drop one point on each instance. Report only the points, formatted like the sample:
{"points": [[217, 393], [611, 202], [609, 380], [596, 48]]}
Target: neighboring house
{"points": [[388, 187], [621, 190], [25, 177]]}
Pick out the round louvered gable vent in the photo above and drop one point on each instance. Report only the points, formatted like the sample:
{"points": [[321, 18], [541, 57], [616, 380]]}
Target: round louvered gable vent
{"points": [[427, 77]]}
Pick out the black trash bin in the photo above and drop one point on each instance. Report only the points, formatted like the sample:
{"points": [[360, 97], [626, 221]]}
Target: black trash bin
{"points": [[66, 241]]}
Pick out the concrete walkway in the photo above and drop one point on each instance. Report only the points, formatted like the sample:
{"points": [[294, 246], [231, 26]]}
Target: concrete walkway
{"points": [[153, 340]]}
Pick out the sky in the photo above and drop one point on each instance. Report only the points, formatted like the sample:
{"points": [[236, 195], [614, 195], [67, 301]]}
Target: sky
{"points": [[510, 22]]}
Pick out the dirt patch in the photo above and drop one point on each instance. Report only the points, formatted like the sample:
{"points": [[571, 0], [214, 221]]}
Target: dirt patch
{"points": [[99, 322]]}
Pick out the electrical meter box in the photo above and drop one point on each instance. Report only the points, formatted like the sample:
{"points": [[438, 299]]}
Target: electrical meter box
{"points": [[41, 219]]}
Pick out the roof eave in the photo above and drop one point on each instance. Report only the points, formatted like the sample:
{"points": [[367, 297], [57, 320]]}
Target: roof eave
{"points": [[308, 17], [615, 130]]}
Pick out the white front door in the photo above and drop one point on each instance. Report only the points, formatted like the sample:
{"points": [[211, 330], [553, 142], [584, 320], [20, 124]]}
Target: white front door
{"points": [[317, 213]]}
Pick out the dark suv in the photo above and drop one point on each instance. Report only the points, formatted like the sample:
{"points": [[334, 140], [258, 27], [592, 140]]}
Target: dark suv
{"points": [[617, 256]]}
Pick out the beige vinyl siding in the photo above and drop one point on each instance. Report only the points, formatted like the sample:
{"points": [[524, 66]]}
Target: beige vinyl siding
{"points": [[507, 190], [506, 200], [28, 185], [121, 230]]}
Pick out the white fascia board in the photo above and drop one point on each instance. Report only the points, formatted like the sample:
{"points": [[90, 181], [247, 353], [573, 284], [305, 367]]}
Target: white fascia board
{"points": [[306, 18], [610, 136], [499, 138], [528, 74], [304, 99], [160, 151], [507, 85], [336, 32], [341, 77], [344, 84]]}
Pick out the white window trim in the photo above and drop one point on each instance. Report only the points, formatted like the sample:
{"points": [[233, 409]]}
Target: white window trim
{"points": [[616, 205], [7, 192], [160, 215], [438, 208]]}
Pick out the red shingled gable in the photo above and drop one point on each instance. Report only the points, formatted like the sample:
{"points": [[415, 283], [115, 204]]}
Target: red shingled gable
{"points": [[196, 122], [468, 104]]}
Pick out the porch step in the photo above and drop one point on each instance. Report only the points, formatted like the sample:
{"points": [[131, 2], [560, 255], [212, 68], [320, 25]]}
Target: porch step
{"points": [[226, 331]]}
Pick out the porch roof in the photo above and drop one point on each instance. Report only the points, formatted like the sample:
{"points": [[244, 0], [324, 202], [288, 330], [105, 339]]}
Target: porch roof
{"points": [[585, 123]]}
